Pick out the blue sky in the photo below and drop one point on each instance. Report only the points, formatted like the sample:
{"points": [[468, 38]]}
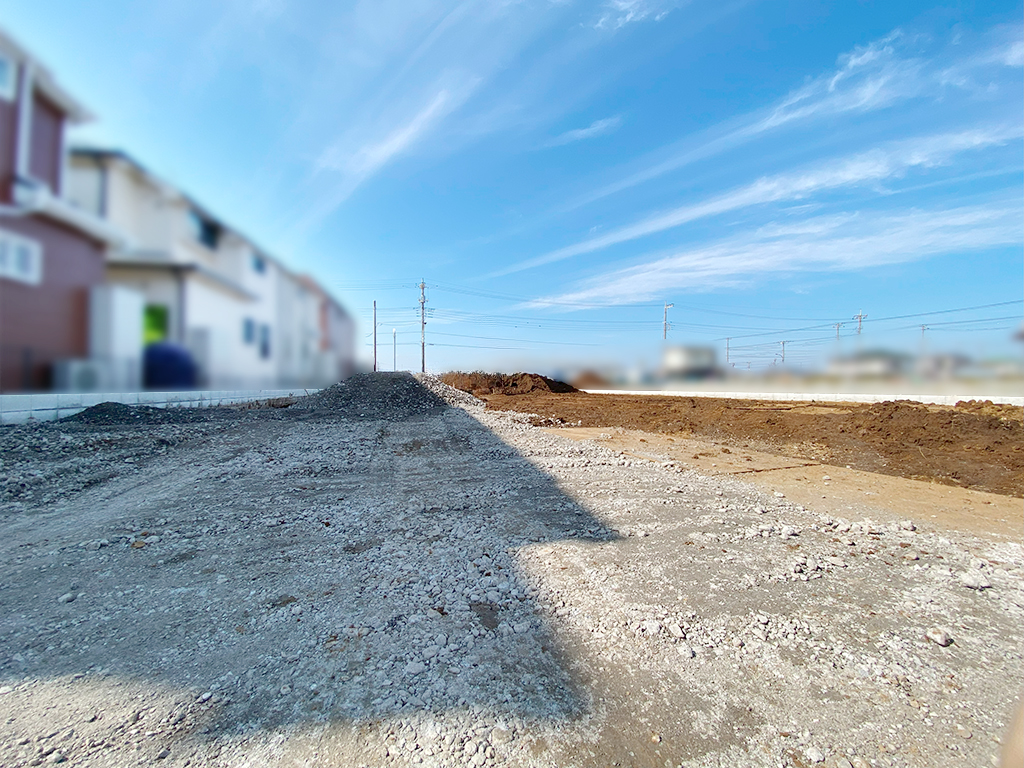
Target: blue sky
{"points": [[557, 170]]}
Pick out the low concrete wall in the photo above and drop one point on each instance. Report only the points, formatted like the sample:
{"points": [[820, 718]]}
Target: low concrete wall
{"points": [[16, 409], [820, 397]]}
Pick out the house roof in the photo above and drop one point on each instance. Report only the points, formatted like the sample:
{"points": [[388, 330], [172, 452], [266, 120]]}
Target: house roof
{"points": [[45, 81]]}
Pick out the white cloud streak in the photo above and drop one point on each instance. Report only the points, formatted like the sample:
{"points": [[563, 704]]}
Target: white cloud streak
{"points": [[869, 167], [619, 13], [869, 78], [832, 243], [356, 166], [596, 128]]}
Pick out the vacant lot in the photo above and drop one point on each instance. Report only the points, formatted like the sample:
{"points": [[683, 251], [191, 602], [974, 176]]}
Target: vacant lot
{"points": [[387, 574], [973, 445]]}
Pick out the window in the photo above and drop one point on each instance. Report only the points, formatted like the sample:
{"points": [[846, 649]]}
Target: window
{"points": [[205, 231], [259, 264], [248, 330], [154, 324], [8, 77], [264, 341], [21, 259]]}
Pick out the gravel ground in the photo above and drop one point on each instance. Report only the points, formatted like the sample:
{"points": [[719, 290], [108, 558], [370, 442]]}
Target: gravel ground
{"points": [[387, 574]]}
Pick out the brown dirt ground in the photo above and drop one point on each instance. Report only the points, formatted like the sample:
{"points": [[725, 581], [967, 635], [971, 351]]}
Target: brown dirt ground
{"points": [[978, 446]]}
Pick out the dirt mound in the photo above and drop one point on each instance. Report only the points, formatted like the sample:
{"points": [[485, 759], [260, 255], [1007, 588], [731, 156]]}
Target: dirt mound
{"points": [[390, 396], [590, 380], [979, 445], [988, 408], [479, 383]]}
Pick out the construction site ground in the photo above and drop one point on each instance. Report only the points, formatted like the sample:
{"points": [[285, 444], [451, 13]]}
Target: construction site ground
{"points": [[386, 574]]}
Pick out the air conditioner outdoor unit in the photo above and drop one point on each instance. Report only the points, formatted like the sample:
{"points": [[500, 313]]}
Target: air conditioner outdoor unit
{"points": [[81, 376]]}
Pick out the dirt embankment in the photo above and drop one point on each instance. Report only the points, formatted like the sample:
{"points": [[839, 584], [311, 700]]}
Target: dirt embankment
{"points": [[479, 383], [972, 445]]}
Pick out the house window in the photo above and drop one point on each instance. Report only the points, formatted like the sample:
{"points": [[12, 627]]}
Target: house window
{"points": [[21, 259], [8, 77], [248, 330], [204, 230], [264, 341], [259, 264]]}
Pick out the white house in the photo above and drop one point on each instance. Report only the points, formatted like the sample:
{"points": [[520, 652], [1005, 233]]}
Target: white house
{"points": [[247, 321]]}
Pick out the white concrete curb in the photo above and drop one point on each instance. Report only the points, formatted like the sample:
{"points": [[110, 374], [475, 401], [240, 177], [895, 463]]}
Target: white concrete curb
{"points": [[820, 397], [17, 409]]}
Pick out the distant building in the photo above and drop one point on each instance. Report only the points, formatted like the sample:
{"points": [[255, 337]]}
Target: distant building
{"points": [[944, 366], [247, 321], [688, 362], [870, 364], [51, 253]]}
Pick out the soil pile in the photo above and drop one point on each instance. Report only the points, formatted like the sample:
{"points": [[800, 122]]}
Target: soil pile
{"points": [[390, 396], [479, 383], [590, 380], [972, 445]]}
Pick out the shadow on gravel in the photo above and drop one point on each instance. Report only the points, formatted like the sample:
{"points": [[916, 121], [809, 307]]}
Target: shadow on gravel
{"points": [[350, 558]]}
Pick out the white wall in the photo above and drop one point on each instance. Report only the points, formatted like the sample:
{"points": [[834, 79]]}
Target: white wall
{"points": [[115, 333]]}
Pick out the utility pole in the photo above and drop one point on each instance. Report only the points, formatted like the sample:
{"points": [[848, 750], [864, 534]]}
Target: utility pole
{"points": [[664, 329], [375, 337], [726, 350], [423, 327], [783, 352], [837, 326], [394, 349], [859, 317]]}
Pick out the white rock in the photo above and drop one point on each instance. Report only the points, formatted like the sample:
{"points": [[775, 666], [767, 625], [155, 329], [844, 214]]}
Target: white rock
{"points": [[685, 650], [414, 668], [470, 748], [651, 626], [975, 579], [68, 597], [938, 637], [815, 755], [674, 629]]}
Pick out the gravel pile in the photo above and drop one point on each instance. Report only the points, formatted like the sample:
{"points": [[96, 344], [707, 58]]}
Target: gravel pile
{"points": [[451, 395], [118, 414], [461, 588], [386, 396]]}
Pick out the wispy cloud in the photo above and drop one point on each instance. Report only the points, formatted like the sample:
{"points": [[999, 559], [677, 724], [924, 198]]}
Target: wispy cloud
{"points": [[868, 78], [868, 167], [827, 243], [596, 128], [350, 165], [370, 157], [619, 13]]}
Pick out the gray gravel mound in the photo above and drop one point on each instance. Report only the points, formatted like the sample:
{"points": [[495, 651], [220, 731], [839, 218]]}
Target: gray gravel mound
{"points": [[451, 395], [116, 414], [388, 396]]}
